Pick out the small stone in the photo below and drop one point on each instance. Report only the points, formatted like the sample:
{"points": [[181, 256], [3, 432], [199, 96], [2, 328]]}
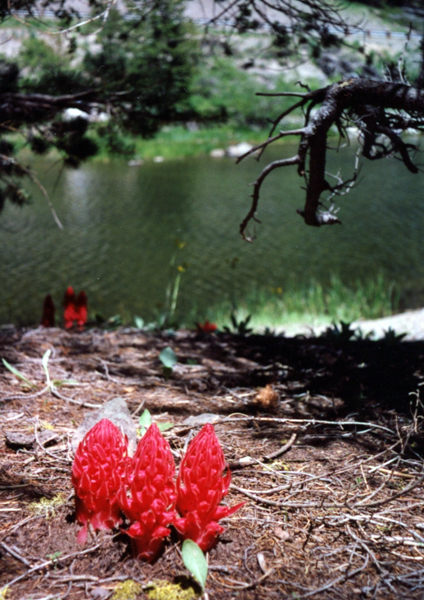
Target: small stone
{"points": [[117, 412], [281, 534], [15, 441], [201, 419], [239, 149]]}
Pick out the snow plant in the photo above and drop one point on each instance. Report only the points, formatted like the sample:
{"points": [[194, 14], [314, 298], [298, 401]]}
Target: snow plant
{"points": [[107, 482], [201, 485], [147, 496], [97, 476], [75, 308]]}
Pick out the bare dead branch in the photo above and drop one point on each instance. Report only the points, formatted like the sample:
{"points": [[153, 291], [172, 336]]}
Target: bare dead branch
{"points": [[283, 449], [269, 141], [381, 110], [405, 490], [15, 554], [256, 188], [32, 108]]}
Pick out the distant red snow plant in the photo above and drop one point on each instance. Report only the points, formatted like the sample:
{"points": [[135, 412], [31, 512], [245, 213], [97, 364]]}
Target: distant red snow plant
{"points": [[75, 308], [207, 327], [107, 482]]}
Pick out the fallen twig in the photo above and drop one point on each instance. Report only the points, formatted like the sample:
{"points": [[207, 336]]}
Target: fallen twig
{"points": [[283, 449]]}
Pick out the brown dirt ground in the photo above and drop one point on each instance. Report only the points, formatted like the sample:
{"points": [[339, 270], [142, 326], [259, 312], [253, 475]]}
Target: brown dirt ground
{"points": [[338, 514]]}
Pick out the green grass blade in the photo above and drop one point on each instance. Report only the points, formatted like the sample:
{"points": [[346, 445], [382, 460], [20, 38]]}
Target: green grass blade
{"points": [[16, 372]]}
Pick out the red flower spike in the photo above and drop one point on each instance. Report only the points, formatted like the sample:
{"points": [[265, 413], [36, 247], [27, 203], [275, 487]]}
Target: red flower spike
{"points": [[75, 308], [201, 486], [69, 313], [81, 309], [47, 320], [97, 473], [148, 499], [207, 327]]}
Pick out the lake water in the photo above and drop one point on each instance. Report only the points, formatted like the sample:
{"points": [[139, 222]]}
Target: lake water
{"points": [[124, 225]]}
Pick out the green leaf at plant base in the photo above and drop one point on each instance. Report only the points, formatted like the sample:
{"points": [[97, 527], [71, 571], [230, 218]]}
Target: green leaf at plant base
{"points": [[168, 357], [16, 372], [195, 561], [114, 321], [165, 426], [139, 322], [144, 421]]}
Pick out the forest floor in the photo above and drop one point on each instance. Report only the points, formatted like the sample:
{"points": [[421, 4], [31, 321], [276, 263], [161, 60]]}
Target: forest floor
{"points": [[324, 438]]}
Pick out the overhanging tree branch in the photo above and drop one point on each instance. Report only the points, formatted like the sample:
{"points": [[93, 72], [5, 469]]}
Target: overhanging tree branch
{"points": [[380, 110], [30, 108], [294, 160]]}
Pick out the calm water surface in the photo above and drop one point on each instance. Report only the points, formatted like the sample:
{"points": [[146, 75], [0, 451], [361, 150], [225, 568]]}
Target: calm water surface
{"points": [[121, 225]]}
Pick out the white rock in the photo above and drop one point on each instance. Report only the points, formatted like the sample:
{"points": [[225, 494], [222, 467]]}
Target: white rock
{"points": [[115, 410], [100, 117], [217, 153], [73, 113], [239, 149], [158, 159]]}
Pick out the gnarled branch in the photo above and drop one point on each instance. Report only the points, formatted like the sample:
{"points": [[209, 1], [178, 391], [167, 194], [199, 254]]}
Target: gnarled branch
{"points": [[380, 110]]}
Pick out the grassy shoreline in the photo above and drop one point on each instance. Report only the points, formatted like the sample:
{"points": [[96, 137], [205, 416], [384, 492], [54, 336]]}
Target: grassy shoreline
{"points": [[312, 304], [315, 304], [182, 141], [172, 142]]}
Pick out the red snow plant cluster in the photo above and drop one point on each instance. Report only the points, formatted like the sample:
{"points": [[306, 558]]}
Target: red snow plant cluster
{"points": [[207, 327], [108, 483], [74, 309]]}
